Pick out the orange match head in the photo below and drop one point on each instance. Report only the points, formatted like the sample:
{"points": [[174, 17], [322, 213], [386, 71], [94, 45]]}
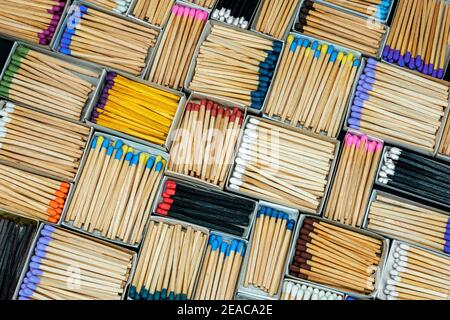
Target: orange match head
{"points": [[53, 204], [58, 210], [51, 212], [59, 200], [63, 189], [60, 194], [52, 220], [65, 185]]}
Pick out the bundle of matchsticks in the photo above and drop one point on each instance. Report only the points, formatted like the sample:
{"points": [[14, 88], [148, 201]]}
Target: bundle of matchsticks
{"points": [[40, 81], [116, 188], [155, 12], [444, 148], [409, 221], [108, 40], [378, 9], [174, 54], [275, 17], [220, 269], [399, 105], [119, 6], [419, 36], [203, 3], [135, 108], [205, 141], [16, 235], [41, 142], [284, 166], [312, 86], [68, 266], [412, 173], [235, 12], [297, 291], [169, 262], [235, 65], [352, 185], [210, 209], [32, 195], [32, 21], [269, 246], [336, 257], [416, 274], [324, 22]]}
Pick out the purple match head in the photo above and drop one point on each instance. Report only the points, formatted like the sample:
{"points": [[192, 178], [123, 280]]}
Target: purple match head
{"points": [[101, 105], [358, 102], [368, 86], [43, 42], [354, 123], [41, 35], [419, 61], [105, 95], [390, 54], [111, 76], [41, 247], [23, 298], [401, 61], [434, 73], [37, 272], [36, 259], [431, 68], [356, 115], [49, 228], [356, 108], [29, 274], [386, 51], [95, 115], [372, 62], [27, 293], [361, 89], [412, 63], [425, 68], [440, 73], [31, 286], [407, 57], [369, 80], [103, 101], [34, 266], [363, 96], [396, 55], [34, 279], [24, 285], [447, 237], [45, 240]]}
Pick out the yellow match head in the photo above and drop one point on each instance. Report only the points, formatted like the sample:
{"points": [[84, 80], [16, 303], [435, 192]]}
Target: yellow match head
{"points": [[290, 39], [100, 140], [124, 149], [158, 159], [350, 57], [344, 59], [143, 157], [324, 49], [307, 52], [340, 56], [130, 149]]}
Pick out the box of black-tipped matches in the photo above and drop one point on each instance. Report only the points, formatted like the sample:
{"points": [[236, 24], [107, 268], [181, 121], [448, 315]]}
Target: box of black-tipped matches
{"points": [[246, 288], [227, 15], [308, 265], [208, 207]]}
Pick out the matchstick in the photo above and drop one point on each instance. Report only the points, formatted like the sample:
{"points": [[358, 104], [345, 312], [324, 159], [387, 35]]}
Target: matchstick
{"points": [[275, 22], [444, 148], [322, 21], [135, 108], [416, 274], [414, 174], [337, 257], [236, 13], [177, 46], [281, 165], [209, 4], [235, 65], [388, 97], [155, 12], [268, 250], [34, 79], [119, 6], [171, 267], [373, 8], [297, 291], [399, 219], [115, 39], [117, 186], [60, 270], [201, 206], [31, 22]]}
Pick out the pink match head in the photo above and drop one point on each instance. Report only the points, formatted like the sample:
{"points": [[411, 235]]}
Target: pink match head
{"points": [[357, 142], [192, 13], [186, 11], [348, 139], [209, 107], [379, 146], [364, 140], [204, 16], [175, 9], [371, 147]]}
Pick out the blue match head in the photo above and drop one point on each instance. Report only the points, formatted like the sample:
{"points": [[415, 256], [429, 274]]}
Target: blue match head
{"points": [[425, 69], [264, 72], [268, 211], [369, 80], [290, 225], [69, 31], [219, 239], [135, 159], [211, 239], [183, 296], [390, 55], [407, 57], [241, 248], [265, 65], [171, 296], [356, 115], [24, 285], [177, 296], [45, 240], [440, 73], [256, 105], [280, 215], [215, 245], [26, 293], [110, 151], [333, 56], [150, 296], [356, 63], [26, 280], [317, 54], [36, 259], [355, 108], [83, 9], [129, 156], [274, 214], [396, 55], [46, 233], [419, 61], [285, 216], [434, 74], [49, 228], [358, 102], [31, 286], [386, 51], [34, 265], [330, 49], [40, 253], [159, 166], [447, 248], [105, 143], [361, 89], [150, 162], [41, 247], [93, 145], [227, 254], [431, 68], [263, 78], [23, 298], [370, 73], [272, 57], [65, 51], [263, 210], [354, 122], [132, 292], [294, 45], [66, 41], [29, 274], [372, 62], [37, 272], [164, 294], [368, 86], [223, 247], [315, 45], [118, 155], [412, 63], [234, 245]]}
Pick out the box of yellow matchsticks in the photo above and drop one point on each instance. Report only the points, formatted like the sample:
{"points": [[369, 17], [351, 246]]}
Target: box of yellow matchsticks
{"points": [[136, 109], [131, 50], [182, 199], [178, 252], [414, 273], [399, 106], [113, 194], [282, 164], [244, 75], [48, 19], [321, 107], [364, 250], [214, 142], [49, 81], [328, 22], [275, 23], [77, 273], [268, 250], [402, 219]]}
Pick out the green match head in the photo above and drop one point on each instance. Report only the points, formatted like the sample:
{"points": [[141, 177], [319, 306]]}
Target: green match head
{"points": [[4, 91], [7, 79], [5, 83], [17, 59], [13, 68], [22, 51]]}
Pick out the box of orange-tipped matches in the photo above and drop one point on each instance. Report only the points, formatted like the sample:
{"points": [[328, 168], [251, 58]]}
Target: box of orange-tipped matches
{"points": [[337, 256]]}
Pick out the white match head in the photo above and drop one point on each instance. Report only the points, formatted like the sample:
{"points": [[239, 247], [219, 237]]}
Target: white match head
{"points": [[222, 12], [1, 145], [6, 119], [404, 246], [234, 187], [396, 255], [245, 148], [300, 293], [236, 182], [304, 287], [396, 151], [401, 267], [389, 165], [391, 297], [244, 24], [10, 105], [294, 291], [338, 297], [227, 13], [251, 133], [393, 156], [3, 113], [237, 175], [236, 22], [288, 287], [230, 19], [241, 161], [240, 169], [388, 171], [245, 156], [251, 126], [215, 14], [254, 121], [391, 284], [383, 176]]}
